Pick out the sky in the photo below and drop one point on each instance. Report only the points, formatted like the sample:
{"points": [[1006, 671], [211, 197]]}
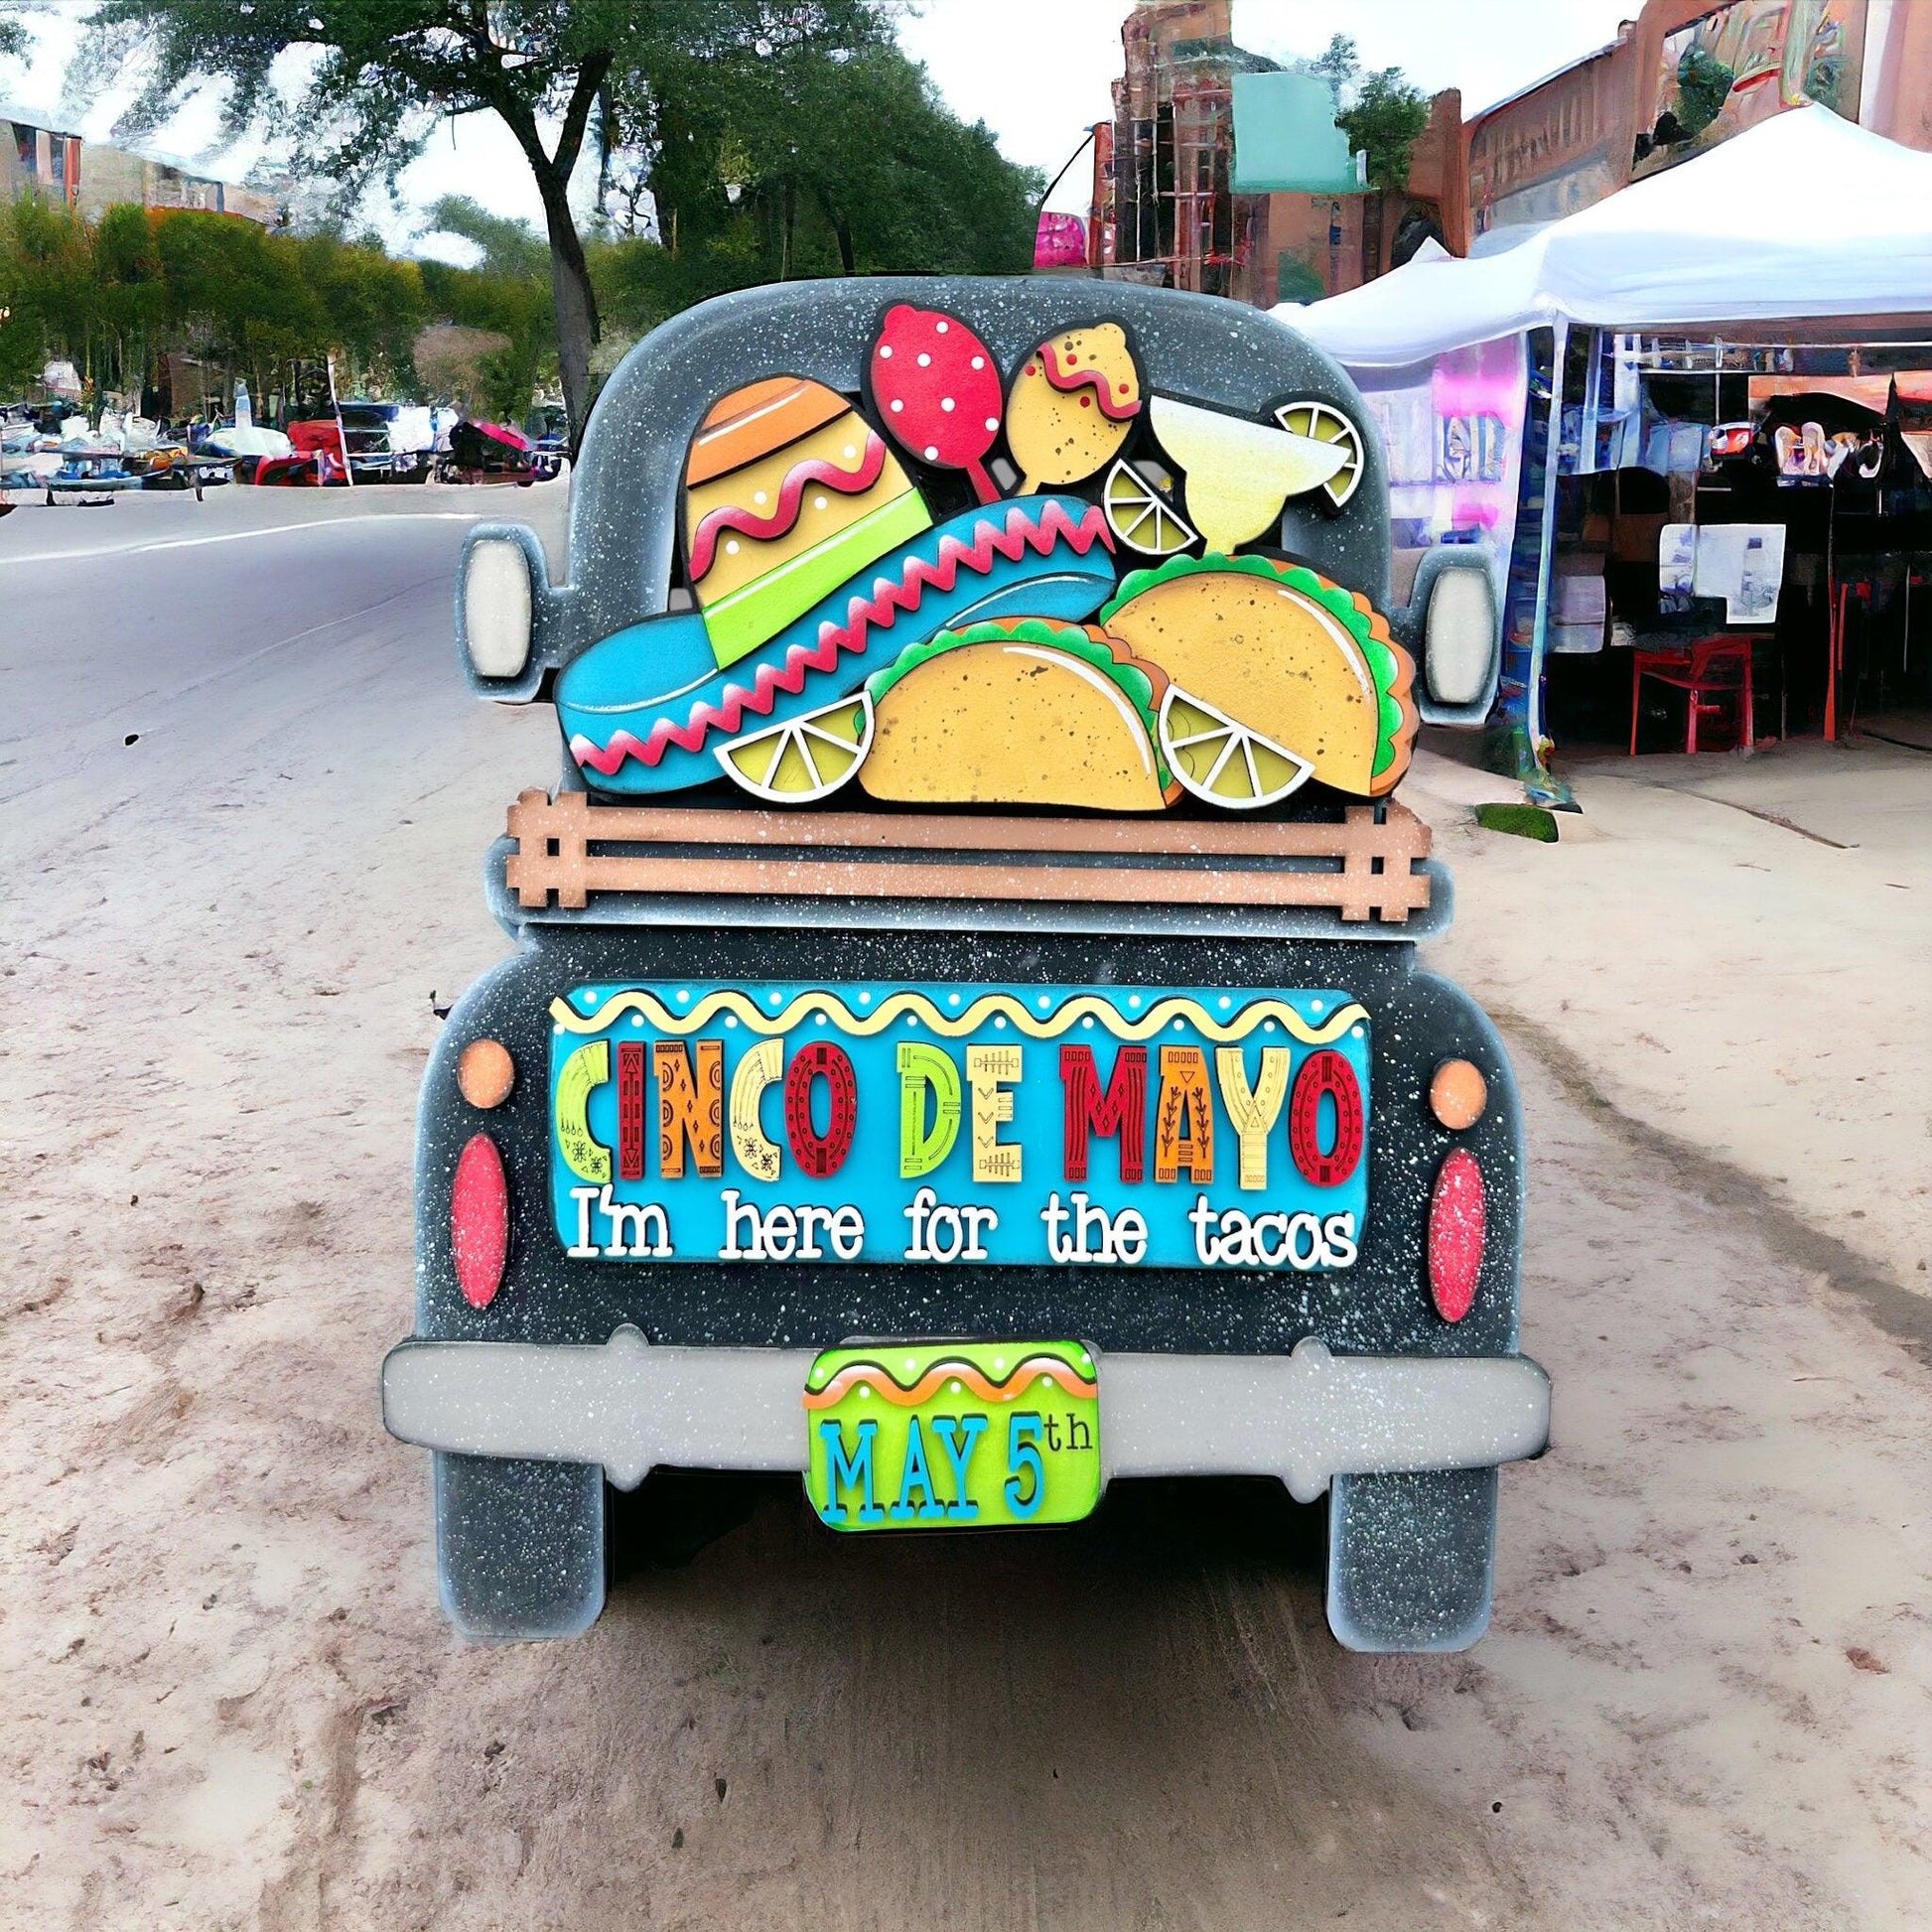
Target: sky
{"points": [[1036, 72]]}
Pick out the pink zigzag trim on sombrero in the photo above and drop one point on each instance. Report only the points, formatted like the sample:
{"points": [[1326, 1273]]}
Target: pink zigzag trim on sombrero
{"points": [[792, 493], [880, 611]]}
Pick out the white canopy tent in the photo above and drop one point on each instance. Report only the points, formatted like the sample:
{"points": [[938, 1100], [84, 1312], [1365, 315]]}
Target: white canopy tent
{"points": [[1803, 216], [1802, 221]]}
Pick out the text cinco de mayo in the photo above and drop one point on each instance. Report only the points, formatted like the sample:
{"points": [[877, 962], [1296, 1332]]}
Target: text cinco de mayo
{"points": [[982, 1149]]}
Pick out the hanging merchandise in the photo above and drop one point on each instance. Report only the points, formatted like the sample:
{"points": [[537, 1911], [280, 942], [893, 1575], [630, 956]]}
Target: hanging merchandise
{"points": [[1677, 556], [1911, 414]]}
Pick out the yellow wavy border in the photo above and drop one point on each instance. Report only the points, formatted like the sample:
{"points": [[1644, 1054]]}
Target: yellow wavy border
{"points": [[1035, 1025], [953, 1368]]}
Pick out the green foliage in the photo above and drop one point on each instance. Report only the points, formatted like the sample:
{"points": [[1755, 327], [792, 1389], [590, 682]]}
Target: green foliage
{"points": [[508, 247], [45, 282], [1703, 84], [1380, 113], [1339, 65], [804, 165], [506, 293], [1387, 119], [383, 73], [1521, 821], [113, 296], [774, 137]]}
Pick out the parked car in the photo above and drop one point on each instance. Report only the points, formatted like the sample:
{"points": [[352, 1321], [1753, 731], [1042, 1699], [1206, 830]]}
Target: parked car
{"points": [[245, 445], [315, 458], [408, 440], [487, 453]]}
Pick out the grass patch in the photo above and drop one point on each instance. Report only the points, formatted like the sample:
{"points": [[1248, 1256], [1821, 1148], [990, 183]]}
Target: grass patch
{"points": [[1520, 821]]}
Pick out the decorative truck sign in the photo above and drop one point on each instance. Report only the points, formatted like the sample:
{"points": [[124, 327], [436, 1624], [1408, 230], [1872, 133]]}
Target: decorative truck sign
{"points": [[959, 1124], [964, 1042]]}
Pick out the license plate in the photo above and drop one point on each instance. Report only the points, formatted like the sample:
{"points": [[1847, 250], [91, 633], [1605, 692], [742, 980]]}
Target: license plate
{"points": [[953, 1434]]}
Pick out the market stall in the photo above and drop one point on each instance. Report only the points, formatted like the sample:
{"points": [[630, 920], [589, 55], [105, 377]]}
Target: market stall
{"points": [[1712, 488]]}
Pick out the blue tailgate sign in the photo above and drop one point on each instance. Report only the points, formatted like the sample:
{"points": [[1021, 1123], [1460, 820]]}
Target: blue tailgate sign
{"points": [[879, 1122]]}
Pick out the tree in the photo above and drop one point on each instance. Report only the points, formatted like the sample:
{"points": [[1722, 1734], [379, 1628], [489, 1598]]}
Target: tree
{"points": [[387, 71], [1703, 86], [1338, 64], [1387, 119], [804, 165], [1381, 114], [50, 279], [507, 295], [130, 296], [113, 296]]}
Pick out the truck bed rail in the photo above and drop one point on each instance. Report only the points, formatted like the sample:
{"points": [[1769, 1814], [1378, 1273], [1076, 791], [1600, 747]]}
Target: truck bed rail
{"points": [[1366, 865]]}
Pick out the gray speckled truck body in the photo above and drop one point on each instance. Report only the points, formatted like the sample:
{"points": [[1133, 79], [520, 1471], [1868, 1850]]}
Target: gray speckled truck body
{"points": [[1349, 1380]]}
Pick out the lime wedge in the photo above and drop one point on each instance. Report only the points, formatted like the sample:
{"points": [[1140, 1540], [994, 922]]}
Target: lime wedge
{"points": [[1327, 424], [806, 758], [1141, 517], [1220, 760], [1239, 473]]}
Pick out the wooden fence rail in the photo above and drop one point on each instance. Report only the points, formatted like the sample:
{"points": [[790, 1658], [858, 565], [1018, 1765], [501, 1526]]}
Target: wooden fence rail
{"points": [[561, 849]]}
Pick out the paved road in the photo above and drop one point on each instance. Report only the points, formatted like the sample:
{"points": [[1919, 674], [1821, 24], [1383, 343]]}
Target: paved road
{"points": [[231, 1700]]}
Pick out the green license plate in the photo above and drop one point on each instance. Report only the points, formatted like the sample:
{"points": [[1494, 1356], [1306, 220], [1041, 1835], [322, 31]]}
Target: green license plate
{"points": [[953, 1434]]}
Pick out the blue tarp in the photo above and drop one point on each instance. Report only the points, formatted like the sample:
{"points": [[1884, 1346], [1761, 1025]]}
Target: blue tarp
{"points": [[1286, 137]]}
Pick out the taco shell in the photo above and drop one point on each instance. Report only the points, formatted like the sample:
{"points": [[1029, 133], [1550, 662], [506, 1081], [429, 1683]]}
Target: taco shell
{"points": [[1025, 712], [1284, 651]]}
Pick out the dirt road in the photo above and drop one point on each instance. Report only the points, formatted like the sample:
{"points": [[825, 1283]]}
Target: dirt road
{"points": [[231, 1697]]}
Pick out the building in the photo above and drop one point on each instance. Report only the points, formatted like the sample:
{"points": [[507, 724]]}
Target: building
{"points": [[1182, 190], [109, 175], [1189, 177], [1679, 79], [37, 158]]}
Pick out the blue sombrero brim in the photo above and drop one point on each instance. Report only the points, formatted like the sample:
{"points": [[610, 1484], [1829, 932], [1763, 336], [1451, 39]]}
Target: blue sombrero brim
{"points": [[643, 709]]}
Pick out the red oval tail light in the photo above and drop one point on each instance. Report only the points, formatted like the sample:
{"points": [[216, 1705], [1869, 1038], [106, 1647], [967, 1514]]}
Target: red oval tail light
{"points": [[1456, 1230], [479, 1221]]}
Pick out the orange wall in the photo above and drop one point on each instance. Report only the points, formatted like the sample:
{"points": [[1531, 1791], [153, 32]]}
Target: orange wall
{"points": [[1898, 94], [1571, 141]]}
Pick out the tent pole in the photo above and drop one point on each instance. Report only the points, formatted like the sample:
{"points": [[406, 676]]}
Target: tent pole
{"points": [[341, 435], [1546, 550], [1592, 405]]}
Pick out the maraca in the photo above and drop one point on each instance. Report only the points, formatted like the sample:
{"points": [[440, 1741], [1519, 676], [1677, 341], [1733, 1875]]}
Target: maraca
{"points": [[937, 389], [1071, 405]]}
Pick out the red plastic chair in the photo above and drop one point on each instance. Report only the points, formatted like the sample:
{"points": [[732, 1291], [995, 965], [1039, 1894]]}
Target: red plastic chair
{"points": [[1715, 676]]}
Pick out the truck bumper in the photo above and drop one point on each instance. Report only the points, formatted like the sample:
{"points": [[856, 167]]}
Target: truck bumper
{"points": [[631, 1405]]}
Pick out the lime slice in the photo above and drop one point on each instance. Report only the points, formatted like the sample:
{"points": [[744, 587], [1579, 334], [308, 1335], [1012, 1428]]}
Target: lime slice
{"points": [[1141, 517], [1219, 759], [806, 758], [1324, 423]]}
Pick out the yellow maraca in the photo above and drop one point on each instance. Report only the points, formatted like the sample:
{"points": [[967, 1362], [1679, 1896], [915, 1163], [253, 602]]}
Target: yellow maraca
{"points": [[1070, 406]]}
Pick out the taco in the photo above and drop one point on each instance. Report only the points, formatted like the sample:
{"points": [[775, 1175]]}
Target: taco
{"points": [[1025, 712], [1300, 661]]}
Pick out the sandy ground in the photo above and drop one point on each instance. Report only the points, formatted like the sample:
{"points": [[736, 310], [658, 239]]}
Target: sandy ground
{"points": [[1738, 953], [231, 1701]]}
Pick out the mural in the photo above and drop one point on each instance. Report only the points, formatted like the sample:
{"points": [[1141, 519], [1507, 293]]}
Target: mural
{"points": [[1741, 63]]}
